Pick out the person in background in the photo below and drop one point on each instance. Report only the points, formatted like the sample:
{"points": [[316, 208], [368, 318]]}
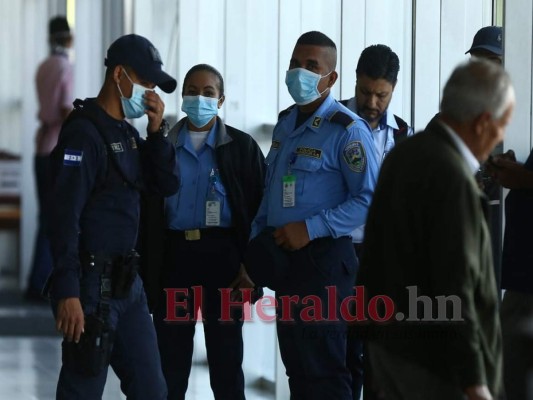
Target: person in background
{"points": [[488, 44], [206, 227], [517, 258], [53, 82], [376, 77], [442, 339]]}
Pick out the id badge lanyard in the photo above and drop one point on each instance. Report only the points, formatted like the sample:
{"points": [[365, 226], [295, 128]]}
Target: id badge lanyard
{"points": [[213, 201], [289, 185]]}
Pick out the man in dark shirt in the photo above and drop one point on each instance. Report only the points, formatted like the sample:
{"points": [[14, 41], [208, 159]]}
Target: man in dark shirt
{"points": [[99, 166]]}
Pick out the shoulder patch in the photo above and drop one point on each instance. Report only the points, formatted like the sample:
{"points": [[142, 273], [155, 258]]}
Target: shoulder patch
{"points": [[72, 158], [338, 117], [354, 155]]}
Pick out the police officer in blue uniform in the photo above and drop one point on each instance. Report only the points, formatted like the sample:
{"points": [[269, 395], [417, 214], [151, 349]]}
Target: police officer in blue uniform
{"points": [[321, 172], [99, 166], [207, 225]]}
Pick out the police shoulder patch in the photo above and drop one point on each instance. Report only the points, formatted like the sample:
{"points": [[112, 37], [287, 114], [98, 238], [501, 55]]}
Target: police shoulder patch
{"points": [[72, 158], [354, 155]]}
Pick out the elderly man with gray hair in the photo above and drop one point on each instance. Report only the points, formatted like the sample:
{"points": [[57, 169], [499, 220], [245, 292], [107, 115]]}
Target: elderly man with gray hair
{"points": [[438, 296]]}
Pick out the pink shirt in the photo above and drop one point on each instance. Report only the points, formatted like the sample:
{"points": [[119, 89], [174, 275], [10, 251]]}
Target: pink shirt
{"points": [[54, 81]]}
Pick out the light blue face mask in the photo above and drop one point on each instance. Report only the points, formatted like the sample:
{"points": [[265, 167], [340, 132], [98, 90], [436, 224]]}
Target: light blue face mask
{"points": [[303, 85], [134, 106], [200, 109]]}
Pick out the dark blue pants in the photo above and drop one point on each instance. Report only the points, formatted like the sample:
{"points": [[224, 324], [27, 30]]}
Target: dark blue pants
{"points": [[210, 263], [354, 351], [314, 352], [42, 256], [134, 356]]}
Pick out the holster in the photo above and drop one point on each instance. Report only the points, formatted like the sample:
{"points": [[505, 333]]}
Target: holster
{"points": [[123, 274], [92, 353], [117, 273]]}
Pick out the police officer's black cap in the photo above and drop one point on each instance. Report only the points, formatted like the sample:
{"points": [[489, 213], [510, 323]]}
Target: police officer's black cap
{"points": [[140, 54], [267, 264]]}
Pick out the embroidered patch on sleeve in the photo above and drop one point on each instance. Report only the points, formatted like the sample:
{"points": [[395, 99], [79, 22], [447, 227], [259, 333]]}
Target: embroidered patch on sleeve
{"points": [[72, 158], [354, 156]]}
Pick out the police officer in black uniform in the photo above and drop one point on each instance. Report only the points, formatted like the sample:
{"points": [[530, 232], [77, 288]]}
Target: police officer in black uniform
{"points": [[99, 167]]}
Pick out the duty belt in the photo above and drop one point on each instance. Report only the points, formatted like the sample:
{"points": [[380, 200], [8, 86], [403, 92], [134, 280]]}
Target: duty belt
{"points": [[201, 233]]}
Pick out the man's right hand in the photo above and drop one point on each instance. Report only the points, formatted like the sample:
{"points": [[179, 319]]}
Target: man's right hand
{"points": [[70, 320], [478, 392]]}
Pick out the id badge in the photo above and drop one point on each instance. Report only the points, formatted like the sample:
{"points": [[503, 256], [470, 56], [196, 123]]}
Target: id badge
{"points": [[212, 213], [289, 191]]}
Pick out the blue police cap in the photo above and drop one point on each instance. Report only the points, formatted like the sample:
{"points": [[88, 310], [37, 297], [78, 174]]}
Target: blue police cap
{"points": [[140, 54], [488, 38]]}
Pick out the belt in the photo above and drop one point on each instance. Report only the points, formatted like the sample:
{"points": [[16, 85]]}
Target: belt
{"points": [[201, 233]]}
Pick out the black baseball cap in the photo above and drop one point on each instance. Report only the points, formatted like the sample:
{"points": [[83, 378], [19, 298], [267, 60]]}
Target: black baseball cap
{"points": [[488, 38], [58, 28], [140, 54]]}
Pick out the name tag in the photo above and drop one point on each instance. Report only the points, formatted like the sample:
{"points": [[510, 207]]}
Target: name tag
{"points": [[289, 191], [212, 213]]}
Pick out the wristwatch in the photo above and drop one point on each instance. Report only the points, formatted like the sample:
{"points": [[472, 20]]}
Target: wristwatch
{"points": [[164, 128]]}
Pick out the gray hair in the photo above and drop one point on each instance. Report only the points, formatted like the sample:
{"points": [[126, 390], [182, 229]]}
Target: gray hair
{"points": [[475, 87]]}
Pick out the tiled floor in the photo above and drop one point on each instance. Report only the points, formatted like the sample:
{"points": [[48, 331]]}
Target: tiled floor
{"points": [[29, 365]]}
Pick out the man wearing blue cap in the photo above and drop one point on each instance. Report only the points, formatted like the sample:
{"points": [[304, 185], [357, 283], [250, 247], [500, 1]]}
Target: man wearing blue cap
{"points": [[98, 168], [488, 43]]}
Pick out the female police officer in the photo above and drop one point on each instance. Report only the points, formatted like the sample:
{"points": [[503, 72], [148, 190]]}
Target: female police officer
{"points": [[208, 225]]}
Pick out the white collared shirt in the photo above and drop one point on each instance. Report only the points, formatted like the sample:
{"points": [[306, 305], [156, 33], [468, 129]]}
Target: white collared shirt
{"points": [[470, 159]]}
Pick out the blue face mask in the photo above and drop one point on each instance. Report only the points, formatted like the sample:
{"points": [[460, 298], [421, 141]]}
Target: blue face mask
{"points": [[134, 106], [200, 109], [303, 85]]}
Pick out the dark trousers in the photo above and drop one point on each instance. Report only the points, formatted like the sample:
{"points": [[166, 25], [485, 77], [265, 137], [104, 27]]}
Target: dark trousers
{"points": [[516, 316], [312, 339], [134, 355], [354, 349], [402, 379], [207, 264], [42, 256]]}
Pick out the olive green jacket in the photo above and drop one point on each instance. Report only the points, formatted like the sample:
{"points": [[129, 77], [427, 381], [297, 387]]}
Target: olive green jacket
{"points": [[427, 235]]}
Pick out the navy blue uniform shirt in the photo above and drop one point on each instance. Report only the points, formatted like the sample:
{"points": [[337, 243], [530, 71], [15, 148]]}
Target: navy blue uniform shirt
{"points": [[94, 210]]}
